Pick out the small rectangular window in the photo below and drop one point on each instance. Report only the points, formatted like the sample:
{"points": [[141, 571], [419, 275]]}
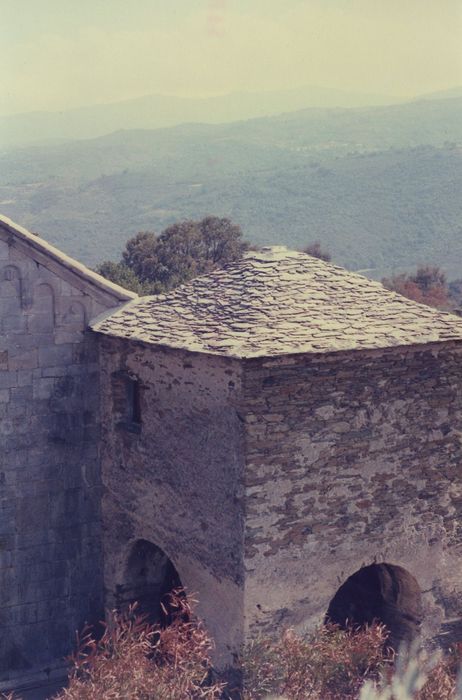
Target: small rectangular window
{"points": [[126, 400], [134, 400]]}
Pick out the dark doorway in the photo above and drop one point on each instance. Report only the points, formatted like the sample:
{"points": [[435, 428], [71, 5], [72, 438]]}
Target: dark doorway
{"points": [[383, 593], [150, 577]]}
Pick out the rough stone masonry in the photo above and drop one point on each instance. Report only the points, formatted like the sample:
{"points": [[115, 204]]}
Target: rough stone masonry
{"points": [[261, 434], [297, 422]]}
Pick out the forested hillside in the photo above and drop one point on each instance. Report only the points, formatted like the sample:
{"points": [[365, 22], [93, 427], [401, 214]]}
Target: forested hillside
{"points": [[380, 187]]}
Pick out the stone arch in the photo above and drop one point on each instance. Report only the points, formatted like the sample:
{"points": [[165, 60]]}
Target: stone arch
{"points": [[384, 593], [149, 578]]}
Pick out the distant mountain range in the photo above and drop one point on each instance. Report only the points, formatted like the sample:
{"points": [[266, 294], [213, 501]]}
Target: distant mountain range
{"points": [[193, 150], [156, 111], [379, 186], [443, 94]]}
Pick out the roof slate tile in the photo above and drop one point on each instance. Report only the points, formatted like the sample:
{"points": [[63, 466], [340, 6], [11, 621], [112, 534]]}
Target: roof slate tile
{"points": [[278, 302]]}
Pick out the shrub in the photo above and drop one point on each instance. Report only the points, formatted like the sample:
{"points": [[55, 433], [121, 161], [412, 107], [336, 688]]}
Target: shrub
{"points": [[418, 677], [315, 250], [134, 659], [348, 665], [330, 665]]}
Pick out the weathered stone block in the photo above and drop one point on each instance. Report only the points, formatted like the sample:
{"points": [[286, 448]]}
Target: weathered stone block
{"points": [[43, 388], [19, 615], [4, 250], [65, 337], [3, 360], [24, 378], [6, 559], [54, 355], [25, 359], [13, 323], [9, 588], [18, 409], [8, 379]]}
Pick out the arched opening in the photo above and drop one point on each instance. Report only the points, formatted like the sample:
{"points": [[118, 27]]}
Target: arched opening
{"points": [[383, 593], [150, 577]]}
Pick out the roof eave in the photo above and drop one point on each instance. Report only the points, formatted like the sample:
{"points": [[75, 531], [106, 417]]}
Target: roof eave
{"points": [[293, 354]]}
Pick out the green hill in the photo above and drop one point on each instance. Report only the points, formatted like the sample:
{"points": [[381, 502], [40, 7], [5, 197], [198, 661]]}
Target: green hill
{"points": [[380, 187]]}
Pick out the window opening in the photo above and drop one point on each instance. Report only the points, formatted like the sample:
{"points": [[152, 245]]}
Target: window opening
{"points": [[126, 398], [134, 400]]}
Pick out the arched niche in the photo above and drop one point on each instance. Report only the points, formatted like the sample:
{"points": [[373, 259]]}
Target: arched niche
{"points": [[384, 593], [74, 317], [149, 578], [10, 282], [11, 273], [14, 284], [12, 319], [42, 315]]}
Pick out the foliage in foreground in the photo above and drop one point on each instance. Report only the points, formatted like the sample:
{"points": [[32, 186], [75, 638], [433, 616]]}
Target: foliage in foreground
{"points": [[330, 665], [134, 660], [417, 677], [351, 667]]}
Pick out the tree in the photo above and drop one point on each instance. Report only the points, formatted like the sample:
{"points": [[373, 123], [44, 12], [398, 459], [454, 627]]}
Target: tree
{"points": [[455, 293], [316, 251], [121, 274], [140, 254], [427, 286], [181, 252]]}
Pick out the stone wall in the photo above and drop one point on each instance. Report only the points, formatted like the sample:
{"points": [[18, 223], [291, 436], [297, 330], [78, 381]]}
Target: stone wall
{"points": [[174, 478], [50, 550], [353, 458]]}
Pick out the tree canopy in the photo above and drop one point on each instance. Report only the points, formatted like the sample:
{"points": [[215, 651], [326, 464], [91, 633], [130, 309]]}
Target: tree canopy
{"points": [[152, 264], [123, 275], [427, 286], [314, 249]]}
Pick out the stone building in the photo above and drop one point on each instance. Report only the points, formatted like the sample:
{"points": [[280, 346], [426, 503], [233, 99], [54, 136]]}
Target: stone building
{"points": [[266, 433], [293, 423], [50, 536]]}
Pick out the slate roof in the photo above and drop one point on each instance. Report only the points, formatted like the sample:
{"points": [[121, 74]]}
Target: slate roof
{"points": [[279, 302]]}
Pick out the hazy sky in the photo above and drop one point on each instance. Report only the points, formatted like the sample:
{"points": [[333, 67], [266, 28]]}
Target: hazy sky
{"points": [[57, 54]]}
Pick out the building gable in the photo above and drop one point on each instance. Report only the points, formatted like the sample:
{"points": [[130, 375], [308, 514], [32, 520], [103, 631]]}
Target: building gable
{"points": [[16, 240]]}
